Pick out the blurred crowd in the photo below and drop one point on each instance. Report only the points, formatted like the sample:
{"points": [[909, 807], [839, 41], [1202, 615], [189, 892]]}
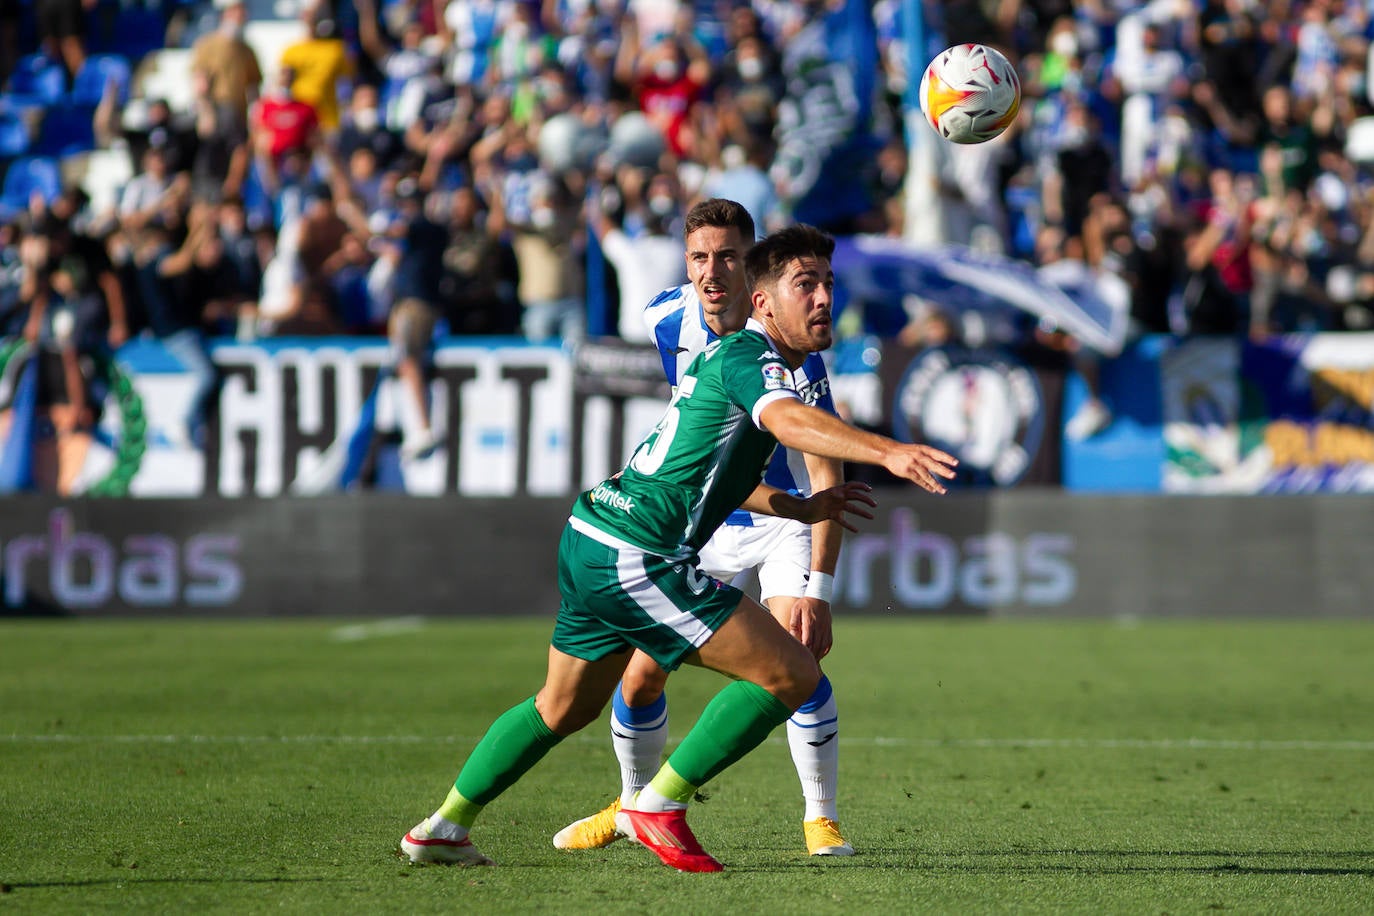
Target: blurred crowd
{"points": [[421, 167]]}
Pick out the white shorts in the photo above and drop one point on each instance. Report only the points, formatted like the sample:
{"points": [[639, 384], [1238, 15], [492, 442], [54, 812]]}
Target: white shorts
{"points": [[780, 548]]}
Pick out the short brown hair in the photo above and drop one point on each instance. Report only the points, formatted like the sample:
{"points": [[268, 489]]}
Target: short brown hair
{"points": [[721, 214], [768, 259]]}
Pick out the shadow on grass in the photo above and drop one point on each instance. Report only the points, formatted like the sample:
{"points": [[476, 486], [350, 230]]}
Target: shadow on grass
{"points": [[1023, 861], [8, 886]]}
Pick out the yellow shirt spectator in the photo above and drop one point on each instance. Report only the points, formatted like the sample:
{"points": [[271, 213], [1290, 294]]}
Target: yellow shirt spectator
{"points": [[319, 63]]}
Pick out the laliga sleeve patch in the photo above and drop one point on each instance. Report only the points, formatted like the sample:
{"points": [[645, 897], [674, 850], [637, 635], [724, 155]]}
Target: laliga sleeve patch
{"points": [[774, 376]]}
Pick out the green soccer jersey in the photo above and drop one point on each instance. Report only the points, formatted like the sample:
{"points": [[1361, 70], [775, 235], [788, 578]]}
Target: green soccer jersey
{"points": [[703, 458]]}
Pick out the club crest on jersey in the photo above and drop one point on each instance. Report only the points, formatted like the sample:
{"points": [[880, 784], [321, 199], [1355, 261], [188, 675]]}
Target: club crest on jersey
{"points": [[774, 376]]}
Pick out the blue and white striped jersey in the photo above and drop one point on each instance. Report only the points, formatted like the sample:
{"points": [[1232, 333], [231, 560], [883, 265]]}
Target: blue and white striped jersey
{"points": [[678, 326]]}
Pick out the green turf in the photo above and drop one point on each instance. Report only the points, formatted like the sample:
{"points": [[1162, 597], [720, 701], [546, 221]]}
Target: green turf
{"points": [[986, 767]]}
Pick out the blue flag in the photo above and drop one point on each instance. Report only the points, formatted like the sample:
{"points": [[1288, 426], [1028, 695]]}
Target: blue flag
{"points": [[16, 455], [361, 438]]}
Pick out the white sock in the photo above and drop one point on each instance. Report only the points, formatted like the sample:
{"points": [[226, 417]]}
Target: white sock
{"points": [[813, 734], [443, 829], [650, 799], [639, 734]]}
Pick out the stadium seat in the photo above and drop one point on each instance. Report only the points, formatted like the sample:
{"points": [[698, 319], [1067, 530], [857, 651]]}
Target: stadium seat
{"points": [[166, 75], [269, 38], [23, 178], [37, 81], [14, 135], [96, 73], [138, 31], [67, 128]]}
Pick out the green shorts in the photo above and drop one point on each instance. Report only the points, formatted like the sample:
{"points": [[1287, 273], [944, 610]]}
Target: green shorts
{"points": [[618, 597]]}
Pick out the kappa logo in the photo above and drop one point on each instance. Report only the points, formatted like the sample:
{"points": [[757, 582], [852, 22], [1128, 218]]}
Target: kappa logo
{"points": [[769, 354]]}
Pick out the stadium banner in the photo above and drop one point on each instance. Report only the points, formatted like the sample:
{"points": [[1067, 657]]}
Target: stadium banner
{"points": [[826, 114], [308, 416], [1013, 553], [315, 416], [987, 405], [1290, 414]]}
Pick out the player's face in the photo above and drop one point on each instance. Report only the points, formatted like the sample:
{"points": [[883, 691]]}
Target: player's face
{"points": [[715, 265], [797, 311]]}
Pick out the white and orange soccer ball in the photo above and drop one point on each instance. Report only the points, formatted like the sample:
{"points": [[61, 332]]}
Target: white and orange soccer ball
{"points": [[970, 93]]}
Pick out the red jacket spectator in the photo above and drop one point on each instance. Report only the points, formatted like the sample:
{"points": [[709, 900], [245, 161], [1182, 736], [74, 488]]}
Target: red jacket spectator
{"points": [[282, 123]]}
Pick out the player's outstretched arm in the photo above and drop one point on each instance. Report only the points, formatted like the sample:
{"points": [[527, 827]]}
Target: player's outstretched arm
{"points": [[809, 429], [833, 504]]}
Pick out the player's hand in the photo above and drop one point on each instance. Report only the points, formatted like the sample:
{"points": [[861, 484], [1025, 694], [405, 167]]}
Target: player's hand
{"points": [[922, 465], [834, 504], [808, 620]]}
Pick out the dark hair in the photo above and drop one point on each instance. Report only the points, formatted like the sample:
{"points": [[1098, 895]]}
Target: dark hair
{"points": [[768, 259], [719, 213]]}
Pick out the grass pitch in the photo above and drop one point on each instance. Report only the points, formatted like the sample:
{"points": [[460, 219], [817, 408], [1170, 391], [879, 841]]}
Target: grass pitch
{"points": [[986, 767]]}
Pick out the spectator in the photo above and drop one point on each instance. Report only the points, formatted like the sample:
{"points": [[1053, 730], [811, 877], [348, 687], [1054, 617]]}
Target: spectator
{"points": [[87, 277], [62, 30], [146, 194], [282, 295], [400, 63], [318, 65], [742, 177], [666, 83], [471, 26], [519, 52], [153, 125], [227, 63], [1147, 74], [1291, 135], [220, 165], [645, 264], [749, 89], [161, 270], [364, 128], [478, 286], [1083, 168], [411, 271], [52, 326], [552, 283], [282, 125], [241, 255]]}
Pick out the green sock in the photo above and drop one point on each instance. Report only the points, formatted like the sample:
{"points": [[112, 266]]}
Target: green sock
{"points": [[670, 785], [516, 741], [734, 723], [458, 809]]}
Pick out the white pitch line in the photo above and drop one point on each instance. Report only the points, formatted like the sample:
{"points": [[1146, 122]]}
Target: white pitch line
{"points": [[357, 632], [1160, 744]]}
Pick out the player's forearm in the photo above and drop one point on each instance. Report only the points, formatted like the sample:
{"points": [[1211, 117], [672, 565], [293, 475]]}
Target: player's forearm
{"points": [[826, 536], [816, 432], [767, 500]]}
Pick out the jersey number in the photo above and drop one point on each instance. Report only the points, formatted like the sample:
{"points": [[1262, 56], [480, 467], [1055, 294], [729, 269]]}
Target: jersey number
{"points": [[648, 458]]}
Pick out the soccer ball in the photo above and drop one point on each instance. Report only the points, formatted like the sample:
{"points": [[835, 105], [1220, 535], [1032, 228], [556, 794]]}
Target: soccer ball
{"points": [[970, 93]]}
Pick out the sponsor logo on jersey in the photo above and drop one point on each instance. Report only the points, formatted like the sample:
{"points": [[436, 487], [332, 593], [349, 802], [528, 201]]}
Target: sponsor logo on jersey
{"points": [[613, 498], [982, 405], [774, 376], [812, 392]]}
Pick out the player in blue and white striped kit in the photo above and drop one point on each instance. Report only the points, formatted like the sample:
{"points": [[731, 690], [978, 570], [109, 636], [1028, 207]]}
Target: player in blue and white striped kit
{"points": [[795, 563]]}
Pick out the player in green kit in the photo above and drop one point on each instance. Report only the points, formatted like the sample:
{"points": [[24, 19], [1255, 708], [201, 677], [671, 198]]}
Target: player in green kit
{"points": [[627, 565]]}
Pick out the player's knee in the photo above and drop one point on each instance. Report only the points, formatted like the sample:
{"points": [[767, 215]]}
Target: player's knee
{"points": [[566, 715], [797, 678], [643, 685]]}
